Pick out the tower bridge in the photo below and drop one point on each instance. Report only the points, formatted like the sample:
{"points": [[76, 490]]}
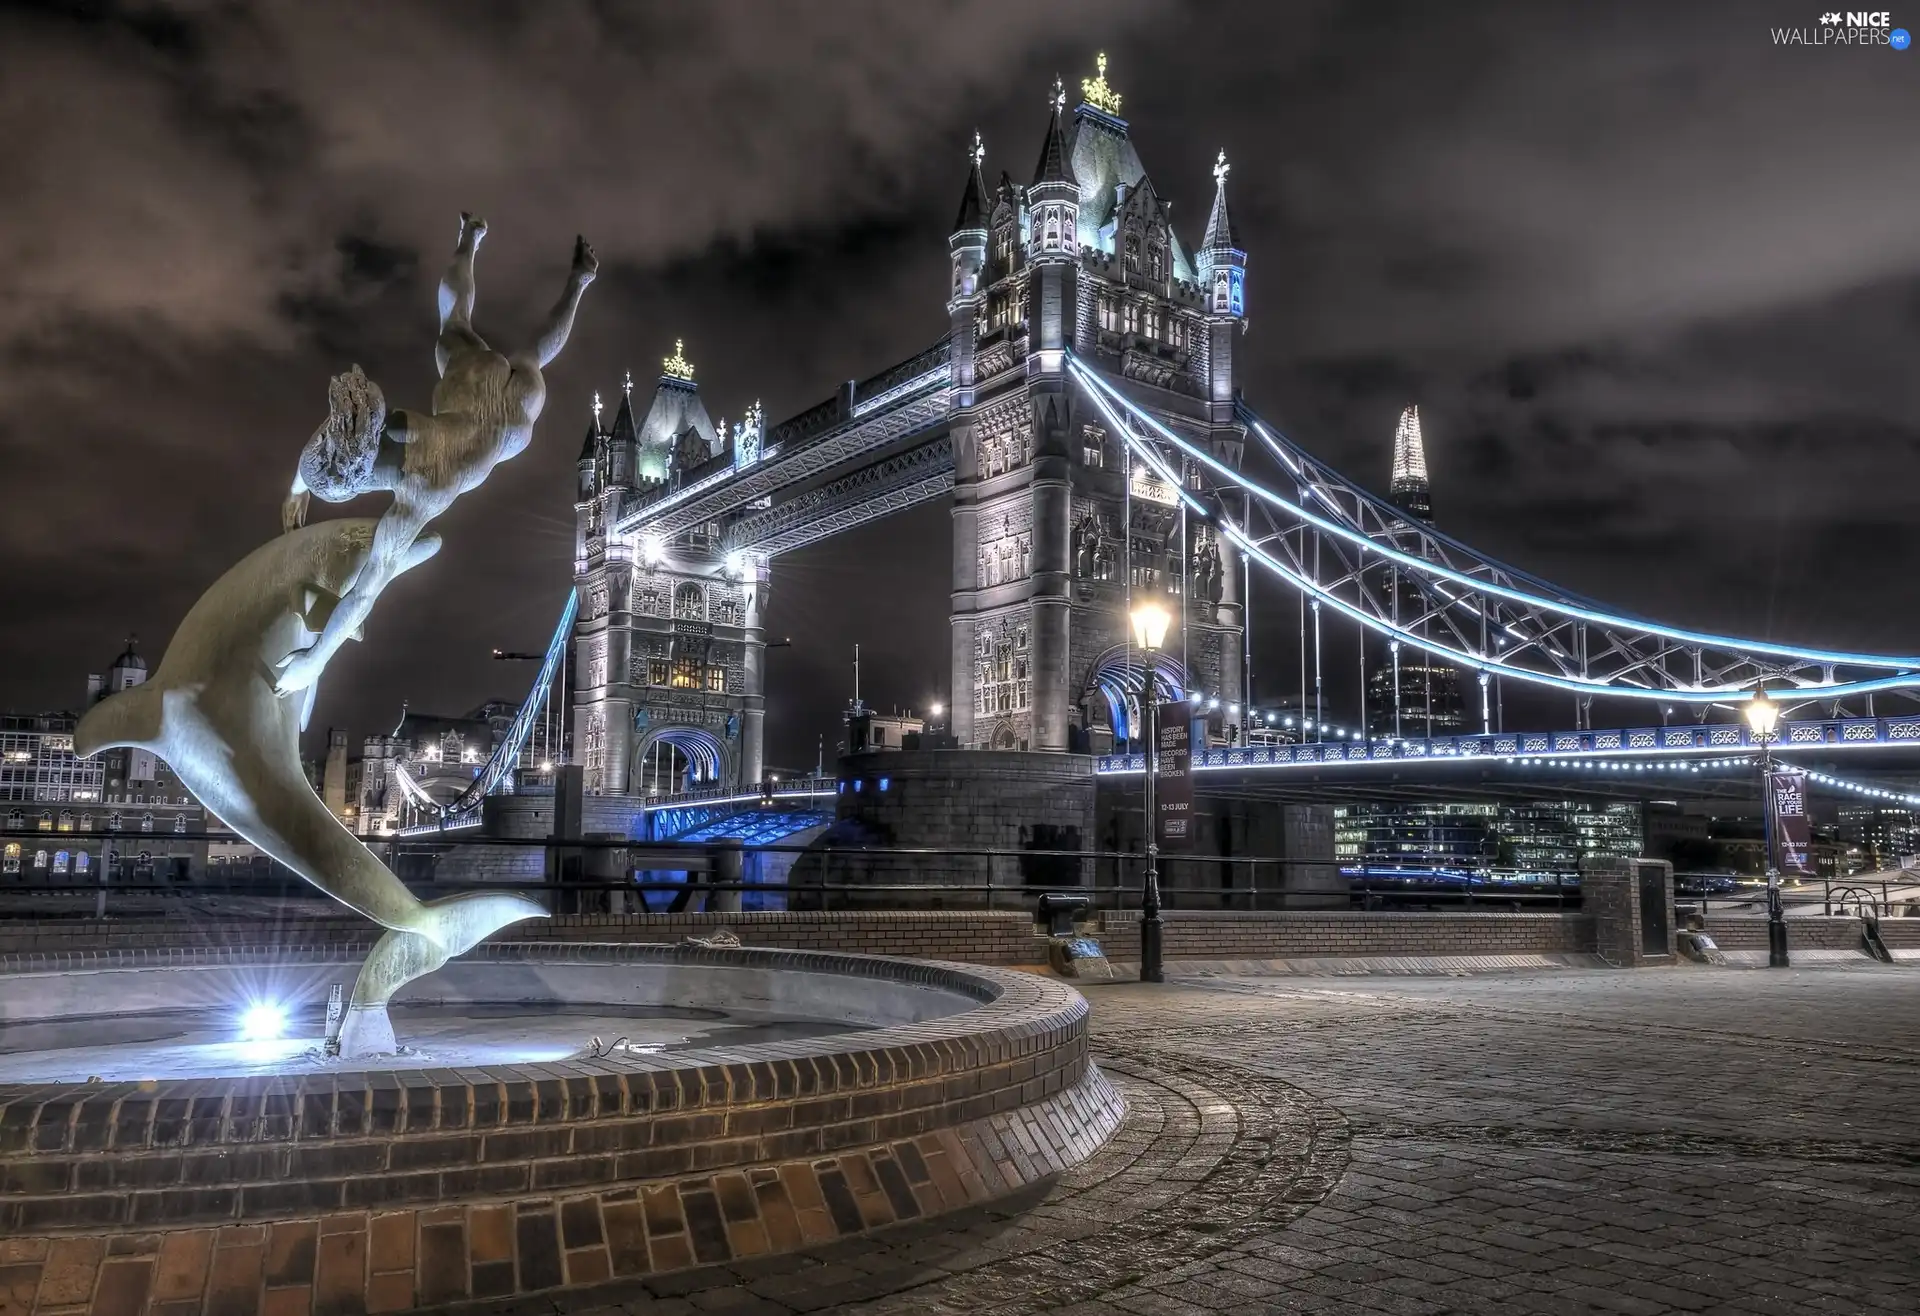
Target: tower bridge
{"points": [[1086, 413]]}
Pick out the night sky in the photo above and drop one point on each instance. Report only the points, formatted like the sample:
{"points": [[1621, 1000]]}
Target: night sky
{"points": [[1653, 280]]}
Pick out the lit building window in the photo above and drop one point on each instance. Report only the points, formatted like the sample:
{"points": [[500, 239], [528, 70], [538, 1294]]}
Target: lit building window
{"points": [[46, 822], [690, 602], [66, 820], [60, 859], [717, 680], [1133, 318], [688, 670], [81, 863], [40, 859], [86, 822], [146, 822], [10, 858], [180, 823], [656, 671]]}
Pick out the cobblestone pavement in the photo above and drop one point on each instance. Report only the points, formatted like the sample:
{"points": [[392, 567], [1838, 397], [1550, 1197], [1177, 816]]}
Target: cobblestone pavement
{"points": [[1663, 1141]]}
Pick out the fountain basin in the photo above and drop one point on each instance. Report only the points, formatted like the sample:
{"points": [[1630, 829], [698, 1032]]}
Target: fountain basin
{"points": [[801, 1097]]}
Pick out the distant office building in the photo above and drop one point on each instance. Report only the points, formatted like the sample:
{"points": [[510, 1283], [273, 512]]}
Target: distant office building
{"points": [[1874, 838], [1539, 837], [123, 811], [1410, 694]]}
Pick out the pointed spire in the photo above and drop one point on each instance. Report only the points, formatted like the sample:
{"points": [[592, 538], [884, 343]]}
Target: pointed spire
{"points": [[626, 385], [590, 448], [1409, 488], [973, 202], [1053, 152], [625, 427], [1219, 223]]}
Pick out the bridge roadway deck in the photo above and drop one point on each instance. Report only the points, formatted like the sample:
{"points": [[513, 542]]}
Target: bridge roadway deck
{"points": [[1625, 763]]}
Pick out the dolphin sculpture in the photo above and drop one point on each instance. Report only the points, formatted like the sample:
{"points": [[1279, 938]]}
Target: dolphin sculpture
{"points": [[212, 712]]}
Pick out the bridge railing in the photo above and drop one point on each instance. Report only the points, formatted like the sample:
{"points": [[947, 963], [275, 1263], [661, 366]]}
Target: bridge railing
{"points": [[1709, 738], [630, 875]]}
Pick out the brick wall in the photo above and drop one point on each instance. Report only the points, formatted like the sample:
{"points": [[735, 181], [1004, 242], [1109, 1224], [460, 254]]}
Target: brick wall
{"points": [[968, 936], [1749, 932], [1327, 934]]}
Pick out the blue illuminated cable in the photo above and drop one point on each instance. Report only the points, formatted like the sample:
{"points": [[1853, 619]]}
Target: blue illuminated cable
{"points": [[1422, 566], [1099, 391]]}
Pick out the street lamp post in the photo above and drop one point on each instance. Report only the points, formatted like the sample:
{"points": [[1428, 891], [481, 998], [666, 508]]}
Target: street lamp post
{"points": [[1763, 715], [1150, 622]]}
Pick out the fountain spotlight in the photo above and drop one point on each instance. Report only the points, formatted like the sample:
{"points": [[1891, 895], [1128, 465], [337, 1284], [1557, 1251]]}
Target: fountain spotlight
{"points": [[265, 1022]]}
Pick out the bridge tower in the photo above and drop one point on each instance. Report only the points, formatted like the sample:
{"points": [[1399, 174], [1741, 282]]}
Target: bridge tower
{"points": [[668, 648], [1057, 531]]}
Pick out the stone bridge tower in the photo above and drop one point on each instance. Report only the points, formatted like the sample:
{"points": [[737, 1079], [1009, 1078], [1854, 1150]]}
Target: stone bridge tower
{"points": [[1057, 532], [667, 651]]}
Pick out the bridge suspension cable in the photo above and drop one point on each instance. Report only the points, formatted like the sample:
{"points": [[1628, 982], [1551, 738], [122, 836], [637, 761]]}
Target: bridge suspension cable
{"points": [[1470, 609]]}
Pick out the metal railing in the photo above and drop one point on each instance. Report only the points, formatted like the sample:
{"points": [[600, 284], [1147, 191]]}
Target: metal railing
{"points": [[588, 875]]}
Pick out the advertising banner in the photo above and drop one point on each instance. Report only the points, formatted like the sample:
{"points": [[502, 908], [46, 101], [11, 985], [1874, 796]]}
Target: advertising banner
{"points": [[1173, 782], [1792, 832]]}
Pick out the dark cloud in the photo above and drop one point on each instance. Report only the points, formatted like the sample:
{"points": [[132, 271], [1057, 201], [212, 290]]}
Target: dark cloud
{"points": [[1654, 281]]}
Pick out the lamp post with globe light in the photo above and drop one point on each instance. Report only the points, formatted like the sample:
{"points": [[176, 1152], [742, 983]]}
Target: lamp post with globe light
{"points": [[1763, 715], [1150, 622]]}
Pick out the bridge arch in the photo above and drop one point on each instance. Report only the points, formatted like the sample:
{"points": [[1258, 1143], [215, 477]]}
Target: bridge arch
{"points": [[672, 760], [1118, 677]]}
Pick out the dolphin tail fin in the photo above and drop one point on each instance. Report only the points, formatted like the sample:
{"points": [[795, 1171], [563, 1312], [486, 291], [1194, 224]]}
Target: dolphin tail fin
{"points": [[459, 923], [130, 717]]}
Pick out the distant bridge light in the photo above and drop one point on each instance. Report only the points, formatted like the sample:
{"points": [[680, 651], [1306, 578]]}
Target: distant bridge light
{"points": [[653, 550]]}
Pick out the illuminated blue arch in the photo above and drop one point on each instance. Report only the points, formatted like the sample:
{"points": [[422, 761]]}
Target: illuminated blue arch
{"points": [[706, 757], [1119, 676]]}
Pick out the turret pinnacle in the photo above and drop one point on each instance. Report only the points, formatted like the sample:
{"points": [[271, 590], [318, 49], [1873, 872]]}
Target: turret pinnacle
{"points": [[590, 450], [1219, 223], [973, 202], [1053, 152]]}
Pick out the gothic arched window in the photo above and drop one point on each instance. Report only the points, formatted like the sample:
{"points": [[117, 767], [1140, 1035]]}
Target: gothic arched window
{"points": [[1133, 253], [40, 859], [1156, 262], [690, 602], [10, 858]]}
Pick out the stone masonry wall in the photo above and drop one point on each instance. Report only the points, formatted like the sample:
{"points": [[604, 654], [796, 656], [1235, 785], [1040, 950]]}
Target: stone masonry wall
{"points": [[958, 799]]}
